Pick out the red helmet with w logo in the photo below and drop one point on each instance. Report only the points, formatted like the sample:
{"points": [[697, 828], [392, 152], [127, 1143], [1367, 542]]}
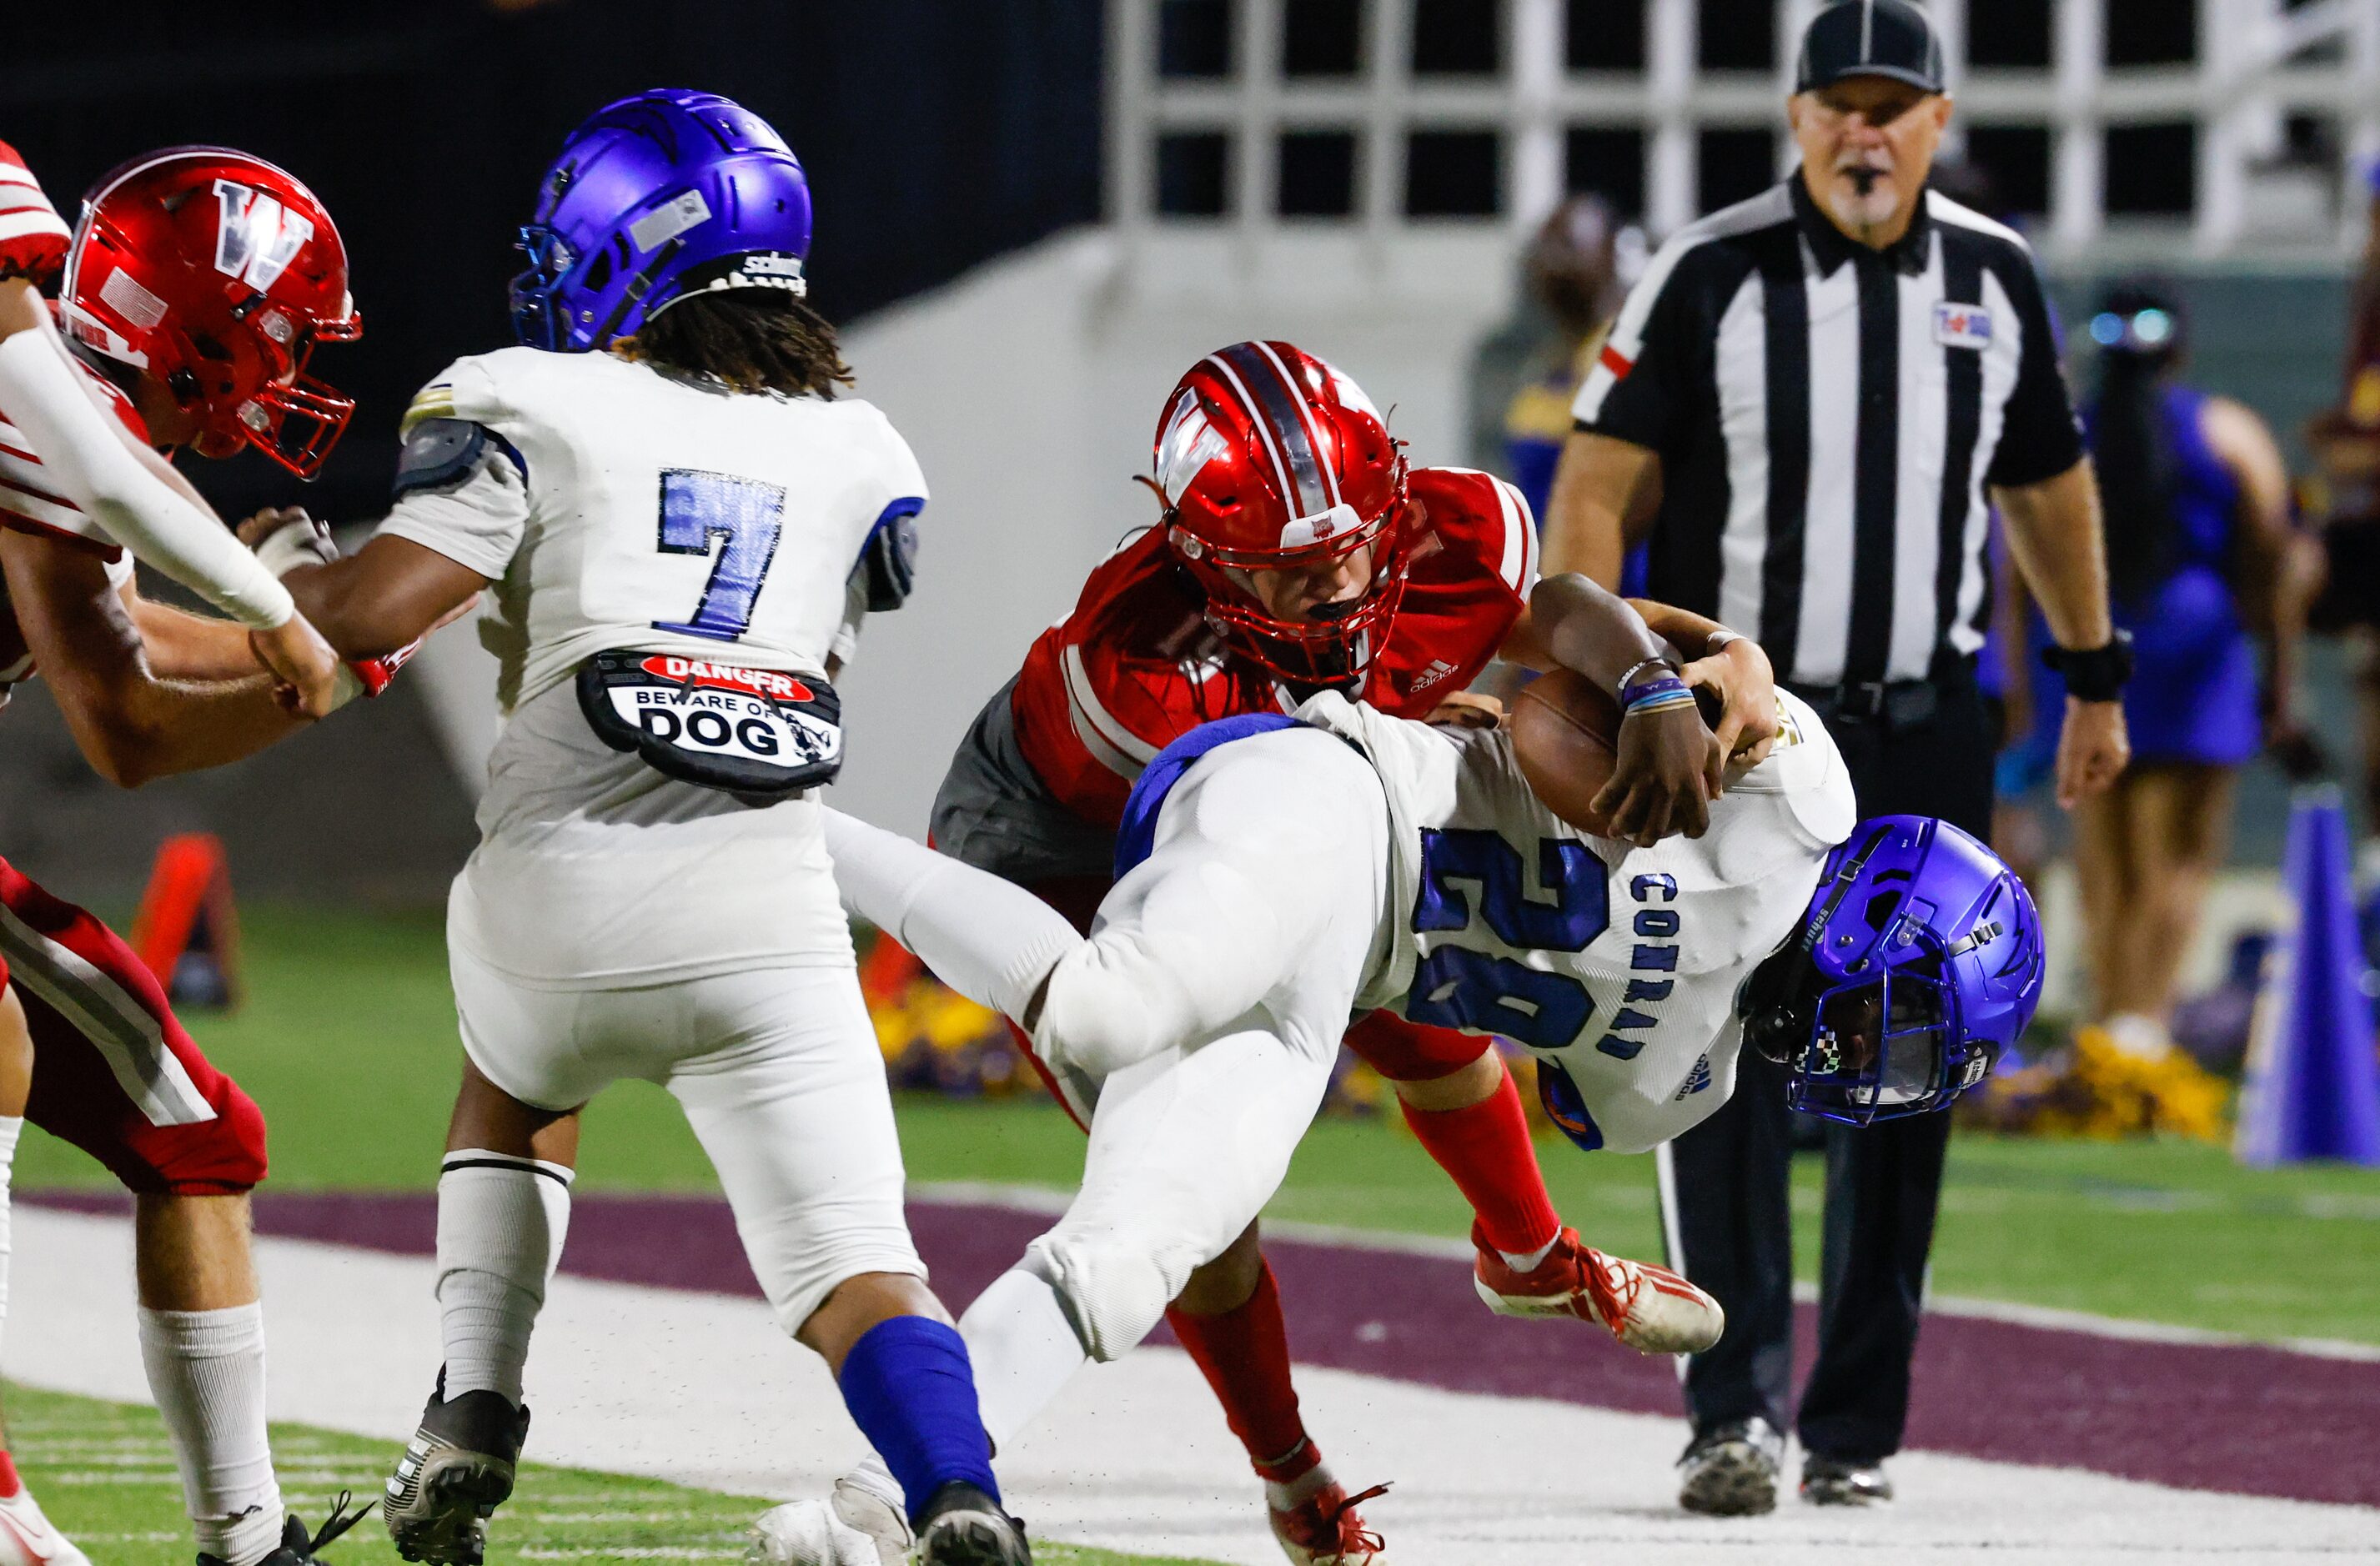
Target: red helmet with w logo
{"points": [[1270, 459], [216, 273]]}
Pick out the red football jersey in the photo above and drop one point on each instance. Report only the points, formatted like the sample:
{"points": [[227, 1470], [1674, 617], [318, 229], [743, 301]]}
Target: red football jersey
{"points": [[1134, 667]]}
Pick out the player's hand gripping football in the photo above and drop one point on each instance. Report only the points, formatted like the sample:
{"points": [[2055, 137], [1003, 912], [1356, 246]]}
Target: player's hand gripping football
{"points": [[1661, 777], [1740, 676]]}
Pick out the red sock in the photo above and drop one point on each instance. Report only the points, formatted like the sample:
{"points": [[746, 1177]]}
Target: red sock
{"points": [[9, 1483], [1486, 1150], [1244, 1354]]}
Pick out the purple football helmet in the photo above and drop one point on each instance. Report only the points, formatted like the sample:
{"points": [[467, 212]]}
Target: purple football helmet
{"points": [[655, 199], [1920, 962]]}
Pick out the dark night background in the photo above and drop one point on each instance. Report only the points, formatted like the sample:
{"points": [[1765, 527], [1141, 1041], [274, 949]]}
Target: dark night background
{"points": [[937, 133]]}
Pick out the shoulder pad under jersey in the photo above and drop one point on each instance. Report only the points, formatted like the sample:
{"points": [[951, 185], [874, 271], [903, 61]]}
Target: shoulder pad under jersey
{"points": [[438, 453], [1482, 518]]}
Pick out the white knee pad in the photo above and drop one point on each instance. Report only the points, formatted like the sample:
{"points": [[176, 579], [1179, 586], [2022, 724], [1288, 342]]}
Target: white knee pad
{"points": [[1115, 1288]]}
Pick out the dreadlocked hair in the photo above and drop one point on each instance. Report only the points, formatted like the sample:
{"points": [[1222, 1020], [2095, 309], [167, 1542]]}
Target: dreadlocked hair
{"points": [[749, 339]]}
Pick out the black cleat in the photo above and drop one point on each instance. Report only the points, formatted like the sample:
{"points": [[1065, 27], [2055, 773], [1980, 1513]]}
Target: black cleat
{"points": [[298, 1546], [1731, 1470], [963, 1527], [455, 1472], [1834, 1481]]}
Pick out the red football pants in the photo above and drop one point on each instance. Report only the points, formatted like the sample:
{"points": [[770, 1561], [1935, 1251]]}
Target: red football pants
{"points": [[114, 1073]]}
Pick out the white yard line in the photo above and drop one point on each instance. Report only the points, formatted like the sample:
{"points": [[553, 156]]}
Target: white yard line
{"points": [[1046, 1200], [702, 1389]]}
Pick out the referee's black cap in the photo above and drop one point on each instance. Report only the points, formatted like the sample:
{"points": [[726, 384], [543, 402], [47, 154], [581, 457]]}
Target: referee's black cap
{"points": [[1888, 38]]}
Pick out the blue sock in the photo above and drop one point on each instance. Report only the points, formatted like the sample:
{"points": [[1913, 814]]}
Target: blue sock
{"points": [[912, 1393]]}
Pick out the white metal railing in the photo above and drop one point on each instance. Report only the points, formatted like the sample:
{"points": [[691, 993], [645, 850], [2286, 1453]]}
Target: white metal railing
{"points": [[2239, 95]]}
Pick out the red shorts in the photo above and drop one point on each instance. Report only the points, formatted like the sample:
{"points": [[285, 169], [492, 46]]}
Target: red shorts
{"points": [[1398, 1050], [114, 1073]]}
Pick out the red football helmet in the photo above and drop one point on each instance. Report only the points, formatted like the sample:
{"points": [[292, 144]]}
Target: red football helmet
{"points": [[1270, 459], [216, 273]]}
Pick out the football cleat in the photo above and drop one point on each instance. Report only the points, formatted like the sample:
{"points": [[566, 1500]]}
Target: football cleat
{"points": [[1649, 1308], [298, 1547], [1324, 1528], [1830, 1481], [455, 1472], [854, 1528], [1731, 1470], [961, 1525], [28, 1538]]}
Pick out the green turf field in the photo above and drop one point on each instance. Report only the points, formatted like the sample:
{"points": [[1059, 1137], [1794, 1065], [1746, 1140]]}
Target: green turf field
{"points": [[347, 1040], [103, 1472]]}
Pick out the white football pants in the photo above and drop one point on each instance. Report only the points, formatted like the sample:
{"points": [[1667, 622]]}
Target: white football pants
{"points": [[780, 1076], [1221, 972]]}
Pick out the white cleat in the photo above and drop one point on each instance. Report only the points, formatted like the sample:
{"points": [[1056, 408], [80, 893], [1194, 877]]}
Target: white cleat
{"points": [[857, 1527], [28, 1538]]}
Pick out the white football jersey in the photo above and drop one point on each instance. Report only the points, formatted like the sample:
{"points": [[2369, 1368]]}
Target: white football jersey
{"points": [[664, 514], [618, 507], [1620, 964]]}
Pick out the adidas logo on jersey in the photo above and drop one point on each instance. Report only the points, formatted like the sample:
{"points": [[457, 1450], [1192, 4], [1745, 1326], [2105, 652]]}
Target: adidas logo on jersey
{"points": [[1437, 669]]}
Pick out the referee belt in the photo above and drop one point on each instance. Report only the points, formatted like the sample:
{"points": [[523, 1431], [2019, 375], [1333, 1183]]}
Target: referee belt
{"points": [[1896, 704], [1892, 704]]}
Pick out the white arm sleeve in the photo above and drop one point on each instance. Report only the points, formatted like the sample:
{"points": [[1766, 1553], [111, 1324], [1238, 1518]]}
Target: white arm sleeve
{"points": [[88, 458]]}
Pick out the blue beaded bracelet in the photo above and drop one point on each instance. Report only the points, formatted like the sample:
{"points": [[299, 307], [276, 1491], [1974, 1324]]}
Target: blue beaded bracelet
{"points": [[1657, 695]]}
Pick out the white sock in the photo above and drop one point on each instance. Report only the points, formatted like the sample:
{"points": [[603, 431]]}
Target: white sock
{"points": [[990, 939], [11, 1127], [1024, 1350], [206, 1370], [501, 1222], [1532, 1261]]}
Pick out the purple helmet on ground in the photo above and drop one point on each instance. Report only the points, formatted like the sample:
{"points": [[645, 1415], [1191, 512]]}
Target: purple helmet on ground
{"points": [[655, 199], [1920, 962]]}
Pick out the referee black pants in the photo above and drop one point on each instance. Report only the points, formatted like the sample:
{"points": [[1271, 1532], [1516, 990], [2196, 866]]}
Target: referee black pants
{"points": [[1724, 1182]]}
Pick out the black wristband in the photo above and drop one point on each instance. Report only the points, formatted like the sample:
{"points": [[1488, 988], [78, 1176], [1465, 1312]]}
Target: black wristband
{"points": [[2095, 674]]}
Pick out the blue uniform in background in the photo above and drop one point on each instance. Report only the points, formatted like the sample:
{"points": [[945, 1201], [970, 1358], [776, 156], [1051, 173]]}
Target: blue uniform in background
{"points": [[2192, 696], [1536, 423]]}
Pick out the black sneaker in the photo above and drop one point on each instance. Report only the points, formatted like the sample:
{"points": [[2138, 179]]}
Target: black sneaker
{"points": [[455, 1472], [1731, 1470], [963, 1527], [298, 1546], [1834, 1481]]}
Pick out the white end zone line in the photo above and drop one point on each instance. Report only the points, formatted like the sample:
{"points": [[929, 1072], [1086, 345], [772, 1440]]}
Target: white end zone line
{"points": [[704, 1389], [1051, 1202]]}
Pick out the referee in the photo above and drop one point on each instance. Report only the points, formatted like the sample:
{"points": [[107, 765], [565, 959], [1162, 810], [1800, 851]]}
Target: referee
{"points": [[1805, 403]]}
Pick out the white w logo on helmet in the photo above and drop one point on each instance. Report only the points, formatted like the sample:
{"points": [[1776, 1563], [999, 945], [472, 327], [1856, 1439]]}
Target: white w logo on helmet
{"points": [[257, 237]]}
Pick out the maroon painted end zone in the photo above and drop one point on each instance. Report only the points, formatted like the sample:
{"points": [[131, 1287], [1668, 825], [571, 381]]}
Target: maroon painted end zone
{"points": [[2251, 1420]]}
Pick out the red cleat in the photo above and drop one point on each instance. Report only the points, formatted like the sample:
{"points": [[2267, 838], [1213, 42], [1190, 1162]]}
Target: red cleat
{"points": [[1649, 1308], [1324, 1530]]}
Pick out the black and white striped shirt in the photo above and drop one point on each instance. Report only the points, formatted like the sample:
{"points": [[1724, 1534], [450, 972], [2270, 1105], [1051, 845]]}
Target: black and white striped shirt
{"points": [[1827, 417]]}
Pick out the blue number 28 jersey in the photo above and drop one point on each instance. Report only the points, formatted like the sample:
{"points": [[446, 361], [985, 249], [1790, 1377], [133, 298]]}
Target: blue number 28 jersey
{"points": [[1620, 964]]}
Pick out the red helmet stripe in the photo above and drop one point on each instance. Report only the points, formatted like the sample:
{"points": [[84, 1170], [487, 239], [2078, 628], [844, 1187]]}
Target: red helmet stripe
{"points": [[1305, 419], [1275, 404]]}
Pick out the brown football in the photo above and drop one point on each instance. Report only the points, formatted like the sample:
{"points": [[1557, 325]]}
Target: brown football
{"points": [[1563, 726]]}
